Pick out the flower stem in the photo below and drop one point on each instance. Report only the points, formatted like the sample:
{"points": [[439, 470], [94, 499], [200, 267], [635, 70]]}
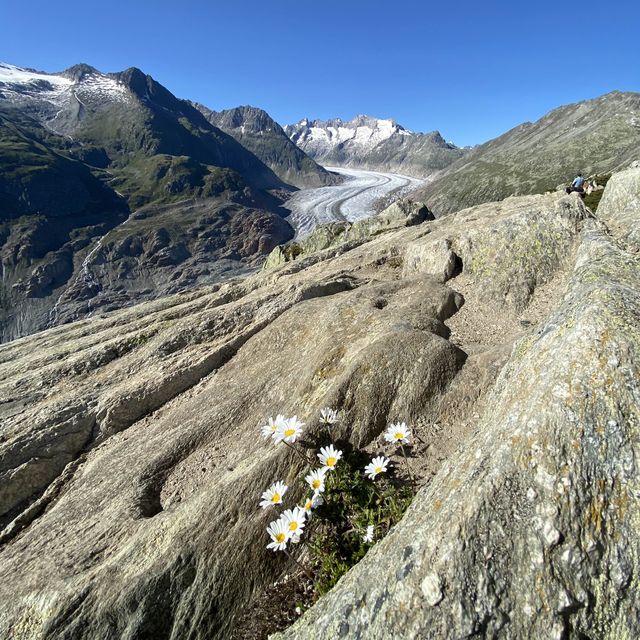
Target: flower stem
{"points": [[304, 458], [404, 453], [307, 572]]}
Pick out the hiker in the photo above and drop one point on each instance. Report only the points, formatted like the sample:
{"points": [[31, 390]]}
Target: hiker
{"points": [[576, 185]]}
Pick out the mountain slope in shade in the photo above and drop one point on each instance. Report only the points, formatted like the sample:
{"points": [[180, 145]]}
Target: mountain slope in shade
{"points": [[257, 131], [372, 143], [125, 116], [595, 136], [79, 152]]}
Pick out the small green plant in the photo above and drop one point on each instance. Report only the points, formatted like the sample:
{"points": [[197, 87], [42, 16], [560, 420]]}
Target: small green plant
{"points": [[348, 508], [292, 251], [355, 511], [592, 200]]}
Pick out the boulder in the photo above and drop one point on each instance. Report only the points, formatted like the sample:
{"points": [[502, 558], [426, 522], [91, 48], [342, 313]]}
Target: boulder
{"points": [[619, 205]]}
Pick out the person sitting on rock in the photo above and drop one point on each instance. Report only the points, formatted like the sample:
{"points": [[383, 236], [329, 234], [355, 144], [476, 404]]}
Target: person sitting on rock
{"points": [[576, 185]]}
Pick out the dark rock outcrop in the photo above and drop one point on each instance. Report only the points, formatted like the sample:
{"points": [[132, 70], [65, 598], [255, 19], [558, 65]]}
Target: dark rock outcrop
{"points": [[264, 137]]}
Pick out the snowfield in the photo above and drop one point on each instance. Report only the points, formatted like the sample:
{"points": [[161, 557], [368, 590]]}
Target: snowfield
{"points": [[20, 85], [352, 200]]}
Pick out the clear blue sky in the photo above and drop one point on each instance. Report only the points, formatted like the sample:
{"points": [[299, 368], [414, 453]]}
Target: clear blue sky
{"points": [[471, 70]]}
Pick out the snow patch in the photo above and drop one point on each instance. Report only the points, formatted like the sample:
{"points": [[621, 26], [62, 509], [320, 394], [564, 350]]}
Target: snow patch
{"points": [[362, 134], [10, 74]]}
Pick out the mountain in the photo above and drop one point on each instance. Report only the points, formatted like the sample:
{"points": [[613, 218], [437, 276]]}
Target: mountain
{"points": [[131, 460], [255, 130], [595, 136], [80, 151], [371, 143]]}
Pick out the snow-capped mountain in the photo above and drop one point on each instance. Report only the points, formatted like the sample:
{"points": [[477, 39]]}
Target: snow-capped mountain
{"points": [[373, 143], [60, 100]]}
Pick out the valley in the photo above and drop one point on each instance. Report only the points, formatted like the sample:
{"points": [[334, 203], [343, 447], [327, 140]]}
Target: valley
{"points": [[356, 198]]}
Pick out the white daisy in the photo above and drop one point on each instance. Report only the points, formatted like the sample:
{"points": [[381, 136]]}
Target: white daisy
{"points": [[398, 433], [368, 536], [273, 495], [329, 456], [312, 503], [279, 535], [328, 416], [294, 521], [316, 480], [376, 466], [289, 430], [269, 430]]}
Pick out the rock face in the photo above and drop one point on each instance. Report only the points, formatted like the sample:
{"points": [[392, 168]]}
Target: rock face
{"points": [[255, 130], [375, 144], [531, 531], [619, 205], [131, 463], [595, 136]]}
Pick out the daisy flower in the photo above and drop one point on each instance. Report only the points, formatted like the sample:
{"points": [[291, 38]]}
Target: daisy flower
{"points": [[316, 480], [328, 416], [294, 521], [312, 503], [329, 456], [273, 495], [279, 535], [289, 430], [376, 466], [368, 536], [398, 433], [269, 430]]}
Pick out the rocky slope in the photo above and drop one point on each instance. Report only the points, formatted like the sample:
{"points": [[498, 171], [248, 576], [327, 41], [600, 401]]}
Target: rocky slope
{"points": [[255, 130], [595, 136], [80, 150], [375, 144], [531, 530], [131, 460]]}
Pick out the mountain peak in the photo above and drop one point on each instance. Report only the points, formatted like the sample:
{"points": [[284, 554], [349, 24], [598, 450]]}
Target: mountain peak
{"points": [[368, 142], [79, 71]]}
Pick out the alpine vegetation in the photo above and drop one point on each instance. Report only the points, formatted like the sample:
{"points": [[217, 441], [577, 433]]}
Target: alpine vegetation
{"points": [[400, 434], [348, 508], [376, 466], [273, 495]]}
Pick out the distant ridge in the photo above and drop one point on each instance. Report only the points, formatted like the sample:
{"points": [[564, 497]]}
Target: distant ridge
{"points": [[594, 136], [373, 143]]}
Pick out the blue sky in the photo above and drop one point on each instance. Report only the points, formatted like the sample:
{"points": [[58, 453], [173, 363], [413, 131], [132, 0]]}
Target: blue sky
{"points": [[471, 70]]}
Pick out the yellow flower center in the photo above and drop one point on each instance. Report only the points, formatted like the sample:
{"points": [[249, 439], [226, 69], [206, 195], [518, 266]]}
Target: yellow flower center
{"points": [[293, 525], [316, 484], [276, 498], [289, 432], [331, 462], [280, 537], [378, 469], [308, 505], [399, 435]]}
